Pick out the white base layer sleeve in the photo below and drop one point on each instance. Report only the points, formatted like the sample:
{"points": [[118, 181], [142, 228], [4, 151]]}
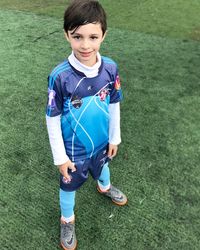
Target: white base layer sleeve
{"points": [[56, 140], [114, 125]]}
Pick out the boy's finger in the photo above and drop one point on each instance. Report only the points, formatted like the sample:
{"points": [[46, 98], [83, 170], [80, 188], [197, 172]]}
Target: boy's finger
{"points": [[114, 152], [66, 175], [109, 152], [67, 180], [73, 168]]}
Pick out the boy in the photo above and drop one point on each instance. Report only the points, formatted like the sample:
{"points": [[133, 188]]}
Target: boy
{"points": [[83, 114]]}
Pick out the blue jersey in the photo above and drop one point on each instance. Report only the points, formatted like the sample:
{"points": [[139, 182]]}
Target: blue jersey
{"points": [[83, 105]]}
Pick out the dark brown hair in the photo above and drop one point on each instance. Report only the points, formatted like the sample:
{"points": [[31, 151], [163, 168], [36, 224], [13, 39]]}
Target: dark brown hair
{"points": [[81, 12]]}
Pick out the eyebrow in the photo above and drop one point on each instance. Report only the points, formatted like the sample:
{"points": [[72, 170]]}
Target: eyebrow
{"points": [[78, 34]]}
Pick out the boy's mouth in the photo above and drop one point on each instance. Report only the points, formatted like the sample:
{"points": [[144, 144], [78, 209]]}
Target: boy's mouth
{"points": [[85, 54]]}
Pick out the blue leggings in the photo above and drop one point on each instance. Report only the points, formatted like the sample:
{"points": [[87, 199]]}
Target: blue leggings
{"points": [[67, 199]]}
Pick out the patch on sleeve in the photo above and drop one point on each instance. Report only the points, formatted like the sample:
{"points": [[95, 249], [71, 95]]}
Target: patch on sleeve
{"points": [[117, 83], [51, 98]]}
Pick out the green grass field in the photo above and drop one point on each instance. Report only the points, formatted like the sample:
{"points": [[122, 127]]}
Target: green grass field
{"points": [[156, 45]]}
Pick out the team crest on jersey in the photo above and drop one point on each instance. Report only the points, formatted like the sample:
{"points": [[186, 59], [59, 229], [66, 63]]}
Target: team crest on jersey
{"points": [[103, 94], [51, 98], [117, 83], [77, 102]]}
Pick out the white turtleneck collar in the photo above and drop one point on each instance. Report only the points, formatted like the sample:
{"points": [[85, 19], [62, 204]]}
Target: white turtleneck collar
{"points": [[88, 71]]}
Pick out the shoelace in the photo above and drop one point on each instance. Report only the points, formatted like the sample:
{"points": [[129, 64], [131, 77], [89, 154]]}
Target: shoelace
{"points": [[68, 231], [114, 192]]}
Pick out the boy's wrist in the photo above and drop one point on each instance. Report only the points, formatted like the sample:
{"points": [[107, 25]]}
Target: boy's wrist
{"points": [[66, 164], [61, 161]]}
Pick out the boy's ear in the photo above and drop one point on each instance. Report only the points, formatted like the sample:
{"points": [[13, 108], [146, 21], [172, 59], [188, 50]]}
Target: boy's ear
{"points": [[104, 35], [66, 35]]}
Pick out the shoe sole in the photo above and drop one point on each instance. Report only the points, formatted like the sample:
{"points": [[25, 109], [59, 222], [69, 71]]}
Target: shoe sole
{"points": [[115, 202], [69, 248]]}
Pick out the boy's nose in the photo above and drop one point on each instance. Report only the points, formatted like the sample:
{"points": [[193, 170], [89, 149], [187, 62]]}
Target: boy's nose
{"points": [[85, 44]]}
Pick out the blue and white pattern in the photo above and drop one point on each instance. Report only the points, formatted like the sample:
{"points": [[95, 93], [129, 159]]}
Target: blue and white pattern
{"points": [[83, 104]]}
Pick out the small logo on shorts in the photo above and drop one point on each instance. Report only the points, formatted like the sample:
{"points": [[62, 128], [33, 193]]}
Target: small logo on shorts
{"points": [[104, 160]]}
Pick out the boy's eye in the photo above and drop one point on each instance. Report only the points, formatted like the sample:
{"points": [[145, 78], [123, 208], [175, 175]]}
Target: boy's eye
{"points": [[94, 37], [76, 37]]}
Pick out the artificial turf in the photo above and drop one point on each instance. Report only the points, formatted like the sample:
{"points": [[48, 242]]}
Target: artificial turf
{"points": [[173, 18], [158, 161]]}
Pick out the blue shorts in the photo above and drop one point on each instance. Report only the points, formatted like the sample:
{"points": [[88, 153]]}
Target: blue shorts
{"points": [[93, 165]]}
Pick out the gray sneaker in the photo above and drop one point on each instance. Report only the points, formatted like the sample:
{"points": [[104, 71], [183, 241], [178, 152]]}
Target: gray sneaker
{"points": [[67, 236], [116, 195]]}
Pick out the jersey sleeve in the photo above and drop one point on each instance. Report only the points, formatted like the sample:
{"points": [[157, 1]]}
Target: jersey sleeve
{"points": [[55, 96], [116, 92]]}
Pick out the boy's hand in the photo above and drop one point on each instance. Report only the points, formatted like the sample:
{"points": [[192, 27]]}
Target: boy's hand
{"points": [[64, 169], [112, 150]]}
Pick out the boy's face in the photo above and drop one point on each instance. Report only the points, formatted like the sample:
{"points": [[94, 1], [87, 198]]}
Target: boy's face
{"points": [[85, 42]]}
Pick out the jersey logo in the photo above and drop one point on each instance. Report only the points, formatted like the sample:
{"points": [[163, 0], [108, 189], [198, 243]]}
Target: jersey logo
{"points": [[103, 94], [117, 83], [89, 88], [51, 98], [77, 102]]}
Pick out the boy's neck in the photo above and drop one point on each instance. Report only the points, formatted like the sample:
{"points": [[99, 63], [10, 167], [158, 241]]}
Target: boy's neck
{"points": [[88, 71]]}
